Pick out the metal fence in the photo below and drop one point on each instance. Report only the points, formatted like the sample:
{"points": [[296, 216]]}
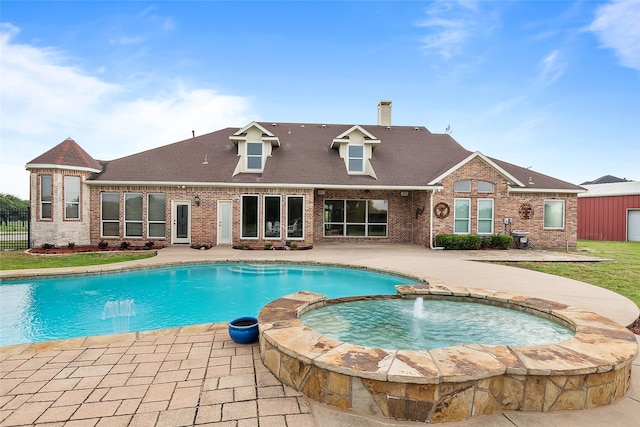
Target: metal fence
{"points": [[15, 230]]}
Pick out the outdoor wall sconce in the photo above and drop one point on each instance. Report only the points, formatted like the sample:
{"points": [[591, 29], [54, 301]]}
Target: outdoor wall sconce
{"points": [[419, 211], [197, 200]]}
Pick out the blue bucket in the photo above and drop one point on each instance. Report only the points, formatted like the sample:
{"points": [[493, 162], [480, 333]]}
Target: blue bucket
{"points": [[244, 330]]}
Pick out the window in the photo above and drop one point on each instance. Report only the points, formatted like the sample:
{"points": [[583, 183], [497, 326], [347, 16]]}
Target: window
{"points": [[295, 217], [249, 215], [485, 187], [157, 215], [356, 218], [462, 186], [71, 197], [485, 216], [356, 158], [110, 214], [46, 190], [554, 214], [461, 216], [133, 215], [254, 155], [272, 208]]}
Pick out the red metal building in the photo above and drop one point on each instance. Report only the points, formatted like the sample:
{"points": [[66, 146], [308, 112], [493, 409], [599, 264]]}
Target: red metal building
{"points": [[610, 212]]}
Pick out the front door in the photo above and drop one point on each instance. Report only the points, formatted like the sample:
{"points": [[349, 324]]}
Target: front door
{"points": [[224, 222], [181, 222]]}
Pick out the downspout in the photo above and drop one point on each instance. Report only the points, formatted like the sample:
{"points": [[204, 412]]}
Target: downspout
{"points": [[431, 220]]}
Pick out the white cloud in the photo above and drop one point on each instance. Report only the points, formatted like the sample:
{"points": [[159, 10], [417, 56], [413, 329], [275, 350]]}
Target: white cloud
{"points": [[551, 67], [451, 25], [44, 100], [617, 27]]}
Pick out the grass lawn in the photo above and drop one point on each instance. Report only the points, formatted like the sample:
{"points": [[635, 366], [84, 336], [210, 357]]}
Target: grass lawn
{"points": [[18, 260], [621, 275]]}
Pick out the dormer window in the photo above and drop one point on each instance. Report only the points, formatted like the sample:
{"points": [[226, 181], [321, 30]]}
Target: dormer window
{"points": [[356, 158], [356, 149], [254, 156], [255, 144]]}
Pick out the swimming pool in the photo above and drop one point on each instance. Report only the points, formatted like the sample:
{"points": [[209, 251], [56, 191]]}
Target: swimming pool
{"points": [[48, 309]]}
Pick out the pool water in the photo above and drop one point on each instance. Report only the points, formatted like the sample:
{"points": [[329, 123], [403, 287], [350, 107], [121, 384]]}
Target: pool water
{"points": [[40, 310], [407, 324]]}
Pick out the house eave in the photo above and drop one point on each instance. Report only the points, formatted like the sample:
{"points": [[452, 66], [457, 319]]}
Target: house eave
{"points": [[269, 185], [30, 166], [544, 190]]}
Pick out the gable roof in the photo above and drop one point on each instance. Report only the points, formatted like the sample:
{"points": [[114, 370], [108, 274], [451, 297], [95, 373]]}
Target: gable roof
{"points": [[408, 157], [487, 160], [605, 179], [66, 155]]}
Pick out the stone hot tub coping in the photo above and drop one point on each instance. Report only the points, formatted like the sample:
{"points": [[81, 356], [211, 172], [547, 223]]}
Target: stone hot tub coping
{"points": [[450, 384]]}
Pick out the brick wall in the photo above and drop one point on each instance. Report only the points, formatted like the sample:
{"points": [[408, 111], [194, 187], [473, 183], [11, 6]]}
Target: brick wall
{"points": [[507, 205]]}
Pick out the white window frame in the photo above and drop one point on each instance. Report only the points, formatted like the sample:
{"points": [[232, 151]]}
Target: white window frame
{"points": [[300, 224], [111, 221], [68, 197], [359, 158], [242, 231], [150, 222], [460, 182], [254, 156], [134, 221], [277, 224], [492, 190], [456, 218], [46, 202], [544, 213], [479, 219]]}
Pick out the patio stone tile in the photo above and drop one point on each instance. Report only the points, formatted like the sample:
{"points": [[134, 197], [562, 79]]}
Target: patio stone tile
{"points": [[190, 383], [26, 388], [72, 397], [242, 361], [61, 385], [273, 421], [148, 419], [91, 371], [241, 371], [170, 377], [90, 354], [300, 420], [180, 348], [197, 374], [33, 364], [219, 361], [149, 358], [128, 407], [278, 406], [108, 359], [194, 363], [216, 396], [209, 414], [176, 417], [114, 380], [117, 421], [88, 382], [19, 375], [45, 397], [96, 409], [236, 381], [249, 422], [239, 410], [16, 401], [157, 392], [244, 393], [210, 384], [126, 392], [59, 413], [169, 365], [27, 413], [89, 422], [270, 391], [153, 406], [140, 381], [65, 372], [266, 379], [146, 369], [122, 368], [43, 375], [185, 398]]}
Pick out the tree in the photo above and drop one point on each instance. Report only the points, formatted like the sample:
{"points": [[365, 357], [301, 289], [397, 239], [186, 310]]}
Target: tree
{"points": [[7, 201]]}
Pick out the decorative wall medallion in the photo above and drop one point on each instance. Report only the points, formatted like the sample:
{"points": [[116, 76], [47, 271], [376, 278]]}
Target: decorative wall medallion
{"points": [[526, 211], [441, 210]]}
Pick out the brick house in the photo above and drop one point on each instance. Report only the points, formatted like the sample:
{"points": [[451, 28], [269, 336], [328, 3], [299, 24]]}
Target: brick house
{"points": [[296, 182]]}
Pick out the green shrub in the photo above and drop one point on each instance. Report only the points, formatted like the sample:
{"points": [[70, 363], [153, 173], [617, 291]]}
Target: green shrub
{"points": [[501, 241], [472, 241]]}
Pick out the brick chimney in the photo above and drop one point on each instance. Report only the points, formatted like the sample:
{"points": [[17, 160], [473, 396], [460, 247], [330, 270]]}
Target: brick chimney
{"points": [[384, 113]]}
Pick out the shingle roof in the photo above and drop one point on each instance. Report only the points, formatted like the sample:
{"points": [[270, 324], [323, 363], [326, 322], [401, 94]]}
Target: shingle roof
{"points": [[67, 153], [407, 156]]}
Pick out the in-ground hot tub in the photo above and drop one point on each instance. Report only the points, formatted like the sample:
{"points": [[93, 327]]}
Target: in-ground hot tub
{"points": [[454, 383]]}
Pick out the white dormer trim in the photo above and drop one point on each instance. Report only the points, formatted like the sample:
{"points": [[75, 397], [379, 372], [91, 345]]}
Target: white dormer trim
{"points": [[487, 160], [253, 133], [357, 136]]}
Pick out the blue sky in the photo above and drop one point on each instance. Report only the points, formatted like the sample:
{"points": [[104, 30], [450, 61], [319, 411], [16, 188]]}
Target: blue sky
{"points": [[552, 85]]}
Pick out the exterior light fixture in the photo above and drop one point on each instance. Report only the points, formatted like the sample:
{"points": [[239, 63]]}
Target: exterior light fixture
{"points": [[197, 200]]}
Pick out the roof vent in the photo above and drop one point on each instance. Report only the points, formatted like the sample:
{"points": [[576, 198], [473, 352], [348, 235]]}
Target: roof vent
{"points": [[416, 128], [324, 126]]}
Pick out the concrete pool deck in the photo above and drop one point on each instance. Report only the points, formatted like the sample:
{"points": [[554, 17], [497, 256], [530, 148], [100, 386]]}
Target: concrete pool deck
{"points": [[197, 375]]}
